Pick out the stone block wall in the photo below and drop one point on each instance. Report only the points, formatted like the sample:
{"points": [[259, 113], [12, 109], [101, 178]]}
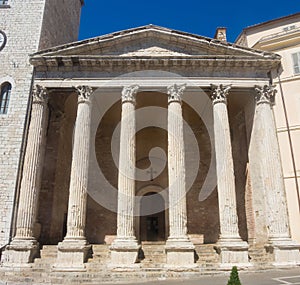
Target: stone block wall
{"points": [[60, 22], [22, 22]]}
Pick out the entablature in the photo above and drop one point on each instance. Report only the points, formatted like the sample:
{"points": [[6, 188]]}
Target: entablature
{"points": [[107, 63]]}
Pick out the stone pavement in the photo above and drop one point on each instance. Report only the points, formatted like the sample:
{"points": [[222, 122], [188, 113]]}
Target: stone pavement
{"points": [[272, 277]]}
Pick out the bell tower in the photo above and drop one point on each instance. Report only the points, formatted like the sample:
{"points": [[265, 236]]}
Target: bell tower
{"points": [[25, 27]]}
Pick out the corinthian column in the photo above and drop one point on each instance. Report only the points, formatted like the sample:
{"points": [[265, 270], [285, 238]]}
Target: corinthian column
{"points": [[284, 249], [180, 250], [72, 252], [233, 249], [24, 247], [124, 250]]}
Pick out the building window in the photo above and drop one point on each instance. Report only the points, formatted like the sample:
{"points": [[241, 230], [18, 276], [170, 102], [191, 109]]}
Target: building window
{"points": [[5, 90], [3, 2], [296, 62]]}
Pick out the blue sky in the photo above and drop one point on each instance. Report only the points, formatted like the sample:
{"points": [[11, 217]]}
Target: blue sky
{"points": [[198, 17]]}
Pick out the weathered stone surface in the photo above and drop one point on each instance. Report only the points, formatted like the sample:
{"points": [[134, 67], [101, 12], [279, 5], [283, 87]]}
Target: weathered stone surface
{"points": [[24, 246], [179, 248], [125, 247], [285, 250], [231, 247], [73, 251]]}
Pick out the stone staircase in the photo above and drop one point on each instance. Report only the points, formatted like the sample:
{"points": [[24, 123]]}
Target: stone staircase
{"points": [[207, 257], [153, 255], [259, 257], [100, 257], [152, 267], [48, 255]]}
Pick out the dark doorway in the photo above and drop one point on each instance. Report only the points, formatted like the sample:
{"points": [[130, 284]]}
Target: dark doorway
{"points": [[152, 224]]}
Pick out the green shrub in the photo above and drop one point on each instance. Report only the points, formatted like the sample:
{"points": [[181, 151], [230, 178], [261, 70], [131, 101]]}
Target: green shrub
{"points": [[234, 277]]}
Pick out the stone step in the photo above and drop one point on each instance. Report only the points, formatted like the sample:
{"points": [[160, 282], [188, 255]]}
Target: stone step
{"points": [[259, 257], [49, 251], [207, 256], [100, 247], [147, 272], [153, 267], [151, 260], [153, 253]]}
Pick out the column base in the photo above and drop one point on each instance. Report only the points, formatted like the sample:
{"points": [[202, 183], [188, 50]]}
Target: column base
{"points": [[72, 254], [180, 253], [20, 252], [285, 252], [124, 253], [233, 252]]}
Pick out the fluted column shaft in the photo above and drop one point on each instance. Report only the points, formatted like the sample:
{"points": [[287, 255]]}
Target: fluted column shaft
{"points": [[224, 165], [176, 165], [126, 180], [277, 216], [33, 164], [79, 171]]}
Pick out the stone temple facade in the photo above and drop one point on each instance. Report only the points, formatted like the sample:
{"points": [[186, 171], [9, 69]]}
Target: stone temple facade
{"points": [[143, 138]]}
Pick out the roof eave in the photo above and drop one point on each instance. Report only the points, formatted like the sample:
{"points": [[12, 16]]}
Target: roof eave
{"points": [[149, 28]]}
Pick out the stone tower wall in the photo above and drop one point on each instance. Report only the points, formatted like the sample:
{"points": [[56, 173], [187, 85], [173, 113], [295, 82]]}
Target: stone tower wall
{"points": [[28, 24], [60, 22]]}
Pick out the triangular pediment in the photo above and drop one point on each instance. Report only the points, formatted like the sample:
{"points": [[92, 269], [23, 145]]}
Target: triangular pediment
{"points": [[152, 41], [154, 50]]}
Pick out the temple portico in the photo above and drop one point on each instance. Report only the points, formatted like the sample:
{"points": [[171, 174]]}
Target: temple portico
{"points": [[123, 152]]}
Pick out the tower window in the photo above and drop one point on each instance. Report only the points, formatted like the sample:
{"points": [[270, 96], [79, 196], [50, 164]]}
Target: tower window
{"points": [[296, 62], [5, 90], [3, 2]]}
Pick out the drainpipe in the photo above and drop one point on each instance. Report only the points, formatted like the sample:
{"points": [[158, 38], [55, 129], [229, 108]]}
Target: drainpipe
{"points": [[290, 138]]}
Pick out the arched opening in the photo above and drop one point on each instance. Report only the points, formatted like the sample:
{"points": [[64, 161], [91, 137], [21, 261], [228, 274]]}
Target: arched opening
{"points": [[152, 217], [5, 90]]}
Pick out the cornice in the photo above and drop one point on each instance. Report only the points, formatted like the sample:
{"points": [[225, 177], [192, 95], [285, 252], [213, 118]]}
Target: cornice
{"points": [[279, 41], [151, 31], [148, 62]]}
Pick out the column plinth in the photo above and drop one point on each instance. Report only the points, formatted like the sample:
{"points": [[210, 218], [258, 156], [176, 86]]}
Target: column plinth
{"points": [[179, 248], [24, 247], [124, 250], [73, 251], [232, 249], [285, 250]]}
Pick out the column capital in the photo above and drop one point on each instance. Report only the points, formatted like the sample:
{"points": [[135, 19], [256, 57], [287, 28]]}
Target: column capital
{"points": [[129, 92], [265, 94], [39, 95], [84, 93], [175, 92], [219, 93]]}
